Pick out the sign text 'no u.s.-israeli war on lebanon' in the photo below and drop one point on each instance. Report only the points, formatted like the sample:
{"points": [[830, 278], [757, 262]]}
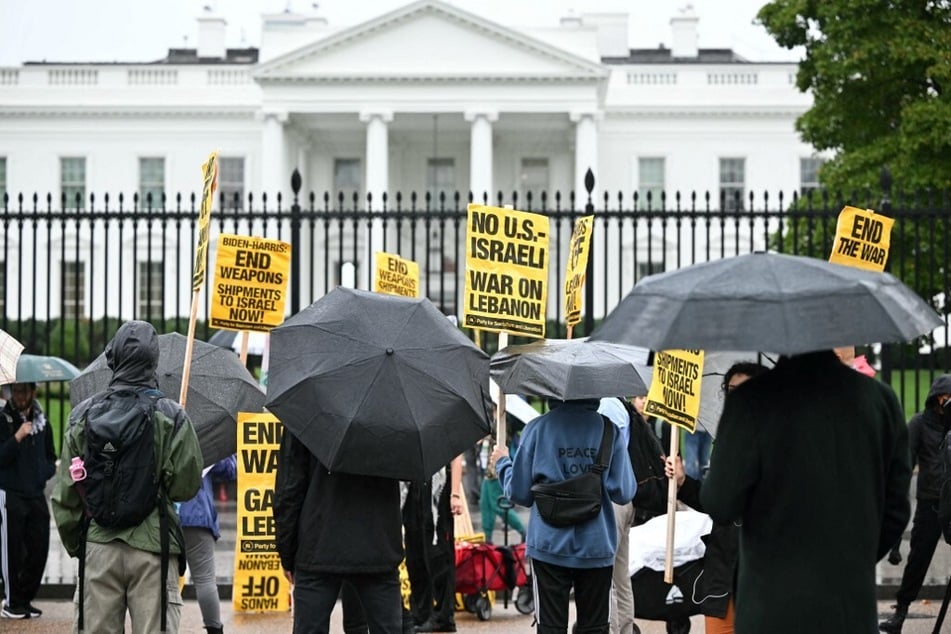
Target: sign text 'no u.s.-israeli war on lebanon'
{"points": [[250, 283], [674, 393], [862, 239], [506, 270]]}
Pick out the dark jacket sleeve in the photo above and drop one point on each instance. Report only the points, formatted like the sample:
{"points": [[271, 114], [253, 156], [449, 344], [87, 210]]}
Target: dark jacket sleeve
{"points": [[897, 479], [735, 468], [290, 489], [689, 494], [914, 438]]}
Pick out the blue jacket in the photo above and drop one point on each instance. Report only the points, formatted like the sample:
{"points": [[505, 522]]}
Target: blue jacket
{"points": [[200, 511], [562, 444]]}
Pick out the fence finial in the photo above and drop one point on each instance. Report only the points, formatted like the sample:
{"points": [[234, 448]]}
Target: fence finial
{"points": [[295, 182]]}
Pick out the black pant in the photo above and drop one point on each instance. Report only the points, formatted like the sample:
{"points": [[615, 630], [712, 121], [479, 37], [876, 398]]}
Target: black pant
{"points": [[431, 566], [315, 595], [592, 598], [925, 533], [24, 546]]}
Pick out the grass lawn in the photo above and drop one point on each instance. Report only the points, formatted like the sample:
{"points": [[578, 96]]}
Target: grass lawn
{"points": [[57, 411]]}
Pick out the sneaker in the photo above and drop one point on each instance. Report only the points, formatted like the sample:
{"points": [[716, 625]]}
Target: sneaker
{"points": [[35, 612], [14, 613]]}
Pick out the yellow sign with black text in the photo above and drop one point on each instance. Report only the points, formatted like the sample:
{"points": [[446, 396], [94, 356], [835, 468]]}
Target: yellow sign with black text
{"points": [[674, 394], [209, 183], [259, 581], [395, 276], [862, 239], [507, 255], [250, 283], [577, 264]]}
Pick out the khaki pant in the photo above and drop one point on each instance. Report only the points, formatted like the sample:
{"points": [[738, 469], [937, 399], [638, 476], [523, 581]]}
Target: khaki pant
{"points": [[120, 578], [622, 596]]}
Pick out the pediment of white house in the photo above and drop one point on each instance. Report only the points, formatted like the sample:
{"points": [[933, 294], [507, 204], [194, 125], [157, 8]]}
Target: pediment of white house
{"points": [[426, 41]]}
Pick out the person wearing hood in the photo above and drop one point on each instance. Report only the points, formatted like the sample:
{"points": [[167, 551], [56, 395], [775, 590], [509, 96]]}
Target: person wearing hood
{"points": [[926, 431], [555, 446], [27, 461], [123, 565]]}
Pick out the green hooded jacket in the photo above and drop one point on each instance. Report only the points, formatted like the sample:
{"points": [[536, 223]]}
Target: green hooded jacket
{"points": [[133, 356]]}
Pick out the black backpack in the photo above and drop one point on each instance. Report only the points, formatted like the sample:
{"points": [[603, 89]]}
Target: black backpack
{"points": [[121, 488], [645, 452]]}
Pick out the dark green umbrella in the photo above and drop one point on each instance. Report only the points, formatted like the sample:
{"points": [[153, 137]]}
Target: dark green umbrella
{"points": [[219, 387], [767, 302], [378, 384], [35, 368]]}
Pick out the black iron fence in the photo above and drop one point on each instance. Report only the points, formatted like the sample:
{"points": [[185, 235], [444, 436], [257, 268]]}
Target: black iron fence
{"points": [[73, 270]]}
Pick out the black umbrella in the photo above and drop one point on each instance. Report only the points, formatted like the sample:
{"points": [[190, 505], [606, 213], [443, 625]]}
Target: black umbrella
{"points": [[378, 385], [568, 369], [218, 388], [767, 302]]}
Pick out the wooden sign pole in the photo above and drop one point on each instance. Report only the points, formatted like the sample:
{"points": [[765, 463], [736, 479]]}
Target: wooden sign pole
{"points": [[671, 508]]}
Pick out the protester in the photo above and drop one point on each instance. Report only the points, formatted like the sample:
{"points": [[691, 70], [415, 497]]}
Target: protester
{"points": [[622, 595], [714, 589], [199, 519], [926, 432], [813, 458], [334, 527], [121, 568], [27, 461], [431, 547], [557, 445]]}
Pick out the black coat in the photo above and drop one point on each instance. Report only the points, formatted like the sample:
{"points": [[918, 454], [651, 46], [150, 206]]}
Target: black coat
{"points": [[25, 466], [813, 458], [334, 522], [926, 431]]}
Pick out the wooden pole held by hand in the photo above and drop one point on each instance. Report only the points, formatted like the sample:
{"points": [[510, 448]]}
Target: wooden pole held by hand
{"points": [[671, 508]]}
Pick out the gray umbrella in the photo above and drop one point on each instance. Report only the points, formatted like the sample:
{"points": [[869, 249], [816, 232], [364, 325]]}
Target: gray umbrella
{"points": [[218, 388], [767, 302], [568, 369], [378, 384]]}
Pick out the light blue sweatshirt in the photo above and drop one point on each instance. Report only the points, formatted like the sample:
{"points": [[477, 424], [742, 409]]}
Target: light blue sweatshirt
{"points": [[562, 444]]}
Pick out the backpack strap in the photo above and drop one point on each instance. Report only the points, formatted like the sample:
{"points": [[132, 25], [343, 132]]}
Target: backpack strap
{"points": [[602, 460]]}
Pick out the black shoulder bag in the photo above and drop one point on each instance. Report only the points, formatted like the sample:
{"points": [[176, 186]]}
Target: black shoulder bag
{"points": [[578, 499]]}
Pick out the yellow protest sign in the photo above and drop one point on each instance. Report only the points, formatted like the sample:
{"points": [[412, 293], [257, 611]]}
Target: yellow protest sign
{"points": [[506, 270], [209, 183], [862, 239], [250, 283], [674, 394], [259, 581], [395, 276], [577, 263]]}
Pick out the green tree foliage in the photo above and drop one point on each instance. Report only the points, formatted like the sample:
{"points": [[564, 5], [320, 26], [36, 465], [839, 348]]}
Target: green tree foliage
{"points": [[880, 73]]}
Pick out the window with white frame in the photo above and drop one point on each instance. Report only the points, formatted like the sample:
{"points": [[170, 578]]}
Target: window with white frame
{"points": [[231, 181], [809, 174], [73, 278], [151, 290], [151, 181], [732, 183], [533, 177], [72, 181], [650, 181], [348, 179], [440, 178], [3, 178]]}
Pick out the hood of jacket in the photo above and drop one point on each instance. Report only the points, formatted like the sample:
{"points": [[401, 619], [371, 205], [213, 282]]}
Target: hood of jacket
{"points": [[941, 385], [133, 355]]}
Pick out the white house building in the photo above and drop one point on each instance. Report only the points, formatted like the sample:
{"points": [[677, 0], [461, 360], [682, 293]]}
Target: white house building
{"points": [[426, 98]]}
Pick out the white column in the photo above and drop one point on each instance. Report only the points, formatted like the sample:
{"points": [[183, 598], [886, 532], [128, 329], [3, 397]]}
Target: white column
{"points": [[480, 157], [274, 175], [377, 181], [586, 153]]}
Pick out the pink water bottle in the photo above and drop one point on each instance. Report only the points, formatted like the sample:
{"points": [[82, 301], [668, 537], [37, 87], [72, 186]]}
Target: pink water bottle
{"points": [[77, 470]]}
